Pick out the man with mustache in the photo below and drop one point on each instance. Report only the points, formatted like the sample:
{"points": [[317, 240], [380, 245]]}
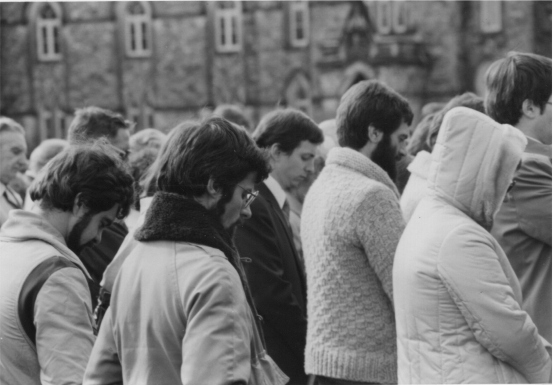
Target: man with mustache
{"points": [[266, 243], [181, 311], [351, 225], [45, 302]]}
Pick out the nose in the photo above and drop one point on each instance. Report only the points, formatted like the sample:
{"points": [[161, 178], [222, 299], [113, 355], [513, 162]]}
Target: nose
{"points": [[310, 166], [246, 213], [23, 164], [98, 237]]}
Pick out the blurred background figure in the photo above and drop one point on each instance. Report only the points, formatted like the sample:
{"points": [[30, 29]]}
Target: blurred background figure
{"points": [[419, 168], [89, 124], [234, 114], [146, 138], [45, 151], [13, 159], [519, 94]]}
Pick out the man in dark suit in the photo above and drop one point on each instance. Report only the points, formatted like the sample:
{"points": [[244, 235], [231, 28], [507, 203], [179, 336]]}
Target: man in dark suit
{"points": [[273, 267]]}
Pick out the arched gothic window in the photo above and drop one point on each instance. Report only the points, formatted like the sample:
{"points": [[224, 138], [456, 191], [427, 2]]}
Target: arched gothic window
{"points": [[228, 26], [48, 26], [299, 23], [138, 29], [394, 17]]}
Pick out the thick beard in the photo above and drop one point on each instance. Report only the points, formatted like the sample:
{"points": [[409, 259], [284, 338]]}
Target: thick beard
{"points": [[74, 238], [384, 156], [217, 213]]}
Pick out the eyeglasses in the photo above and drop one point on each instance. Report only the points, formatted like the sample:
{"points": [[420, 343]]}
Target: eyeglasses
{"points": [[250, 196], [513, 183]]}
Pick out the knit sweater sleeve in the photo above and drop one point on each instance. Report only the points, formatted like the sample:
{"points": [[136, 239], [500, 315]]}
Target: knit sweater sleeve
{"points": [[379, 225]]}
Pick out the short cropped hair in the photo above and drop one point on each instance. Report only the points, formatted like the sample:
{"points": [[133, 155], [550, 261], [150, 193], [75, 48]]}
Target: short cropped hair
{"points": [[370, 102], [7, 124], [287, 128], [214, 148], [93, 123], [468, 99], [93, 170], [233, 114], [512, 80]]}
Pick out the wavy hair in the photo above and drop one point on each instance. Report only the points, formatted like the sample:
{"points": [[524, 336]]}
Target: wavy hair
{"points": [[94, 170], [214, 148]]}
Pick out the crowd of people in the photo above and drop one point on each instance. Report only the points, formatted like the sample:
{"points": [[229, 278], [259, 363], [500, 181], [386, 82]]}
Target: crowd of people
{"points": [[354, 251]]}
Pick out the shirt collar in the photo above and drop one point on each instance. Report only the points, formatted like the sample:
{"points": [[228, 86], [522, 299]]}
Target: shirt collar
{"points": [[276, 190]]}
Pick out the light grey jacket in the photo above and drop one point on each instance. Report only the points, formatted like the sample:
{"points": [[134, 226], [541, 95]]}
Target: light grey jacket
{"points": [[62, 312]]}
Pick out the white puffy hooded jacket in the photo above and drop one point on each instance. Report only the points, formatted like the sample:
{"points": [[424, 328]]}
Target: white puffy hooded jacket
{"points": [[456, 297]]}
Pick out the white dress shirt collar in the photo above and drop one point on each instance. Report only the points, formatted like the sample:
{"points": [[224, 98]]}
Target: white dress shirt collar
{"points": [[276, 190]]}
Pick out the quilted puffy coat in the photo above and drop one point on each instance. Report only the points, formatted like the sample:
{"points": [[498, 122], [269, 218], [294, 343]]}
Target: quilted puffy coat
{"points": [[456, 297]]}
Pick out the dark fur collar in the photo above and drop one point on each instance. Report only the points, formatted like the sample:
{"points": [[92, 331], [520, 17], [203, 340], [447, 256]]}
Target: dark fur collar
{"points": [[172, 217]]}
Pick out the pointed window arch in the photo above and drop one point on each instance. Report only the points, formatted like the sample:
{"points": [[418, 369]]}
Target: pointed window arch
{"points": [[298, 93], [47, 18], [138, 29], [228, 26]]}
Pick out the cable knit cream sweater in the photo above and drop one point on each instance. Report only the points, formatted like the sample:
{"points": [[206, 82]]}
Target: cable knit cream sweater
{"points": [[351, 225]]}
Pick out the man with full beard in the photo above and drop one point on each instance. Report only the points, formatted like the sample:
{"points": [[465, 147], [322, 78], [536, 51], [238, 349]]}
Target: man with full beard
{"points": [[45, 305], [351, 225], [181, 311]]}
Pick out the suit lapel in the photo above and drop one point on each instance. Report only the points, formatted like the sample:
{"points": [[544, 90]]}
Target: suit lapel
{"points": [[270, 198]]}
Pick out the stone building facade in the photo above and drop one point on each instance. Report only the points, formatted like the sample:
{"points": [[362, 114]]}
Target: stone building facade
{"points": [[161, 62]]}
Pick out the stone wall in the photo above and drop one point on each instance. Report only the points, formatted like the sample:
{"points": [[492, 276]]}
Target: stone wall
{"points": [[185, 78]]}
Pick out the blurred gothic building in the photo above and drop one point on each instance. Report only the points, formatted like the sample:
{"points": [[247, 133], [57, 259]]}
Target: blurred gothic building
{"points": [[161, 62]]}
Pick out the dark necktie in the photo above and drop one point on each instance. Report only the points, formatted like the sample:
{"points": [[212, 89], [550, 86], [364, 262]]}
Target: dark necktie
{"points": [[286, 210]]}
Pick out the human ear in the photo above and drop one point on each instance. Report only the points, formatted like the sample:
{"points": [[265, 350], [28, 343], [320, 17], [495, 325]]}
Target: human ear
{"points": [[79, 207], [275, 151], [529, 109], [375, 135], [213, 191]]}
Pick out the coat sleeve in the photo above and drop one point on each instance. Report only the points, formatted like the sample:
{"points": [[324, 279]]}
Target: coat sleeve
{"points": [[64, 327], [272, 291], [477, 282], [379, 225], [532, 197], [216, 347], [104, 366]]}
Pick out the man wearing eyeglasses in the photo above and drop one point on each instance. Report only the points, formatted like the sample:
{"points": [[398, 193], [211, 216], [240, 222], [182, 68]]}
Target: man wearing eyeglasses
{"points": [[89, 124], [266, 243], [519, 94], [181, 311]]}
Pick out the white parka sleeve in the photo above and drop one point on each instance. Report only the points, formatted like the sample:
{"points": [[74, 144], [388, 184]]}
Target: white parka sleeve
{"points": [[477, 282]]}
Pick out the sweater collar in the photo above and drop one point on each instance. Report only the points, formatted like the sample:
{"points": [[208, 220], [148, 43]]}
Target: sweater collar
{"points": [[25, 225], [536, 147], [354, 160]]}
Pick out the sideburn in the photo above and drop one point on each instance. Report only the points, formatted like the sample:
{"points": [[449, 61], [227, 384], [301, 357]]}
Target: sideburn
{"points": [[384, 156]]}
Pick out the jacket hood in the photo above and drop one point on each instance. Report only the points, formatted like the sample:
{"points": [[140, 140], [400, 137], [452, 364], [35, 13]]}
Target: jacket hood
{"points": [[421, 164], [28, 226], [473, 163]]}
